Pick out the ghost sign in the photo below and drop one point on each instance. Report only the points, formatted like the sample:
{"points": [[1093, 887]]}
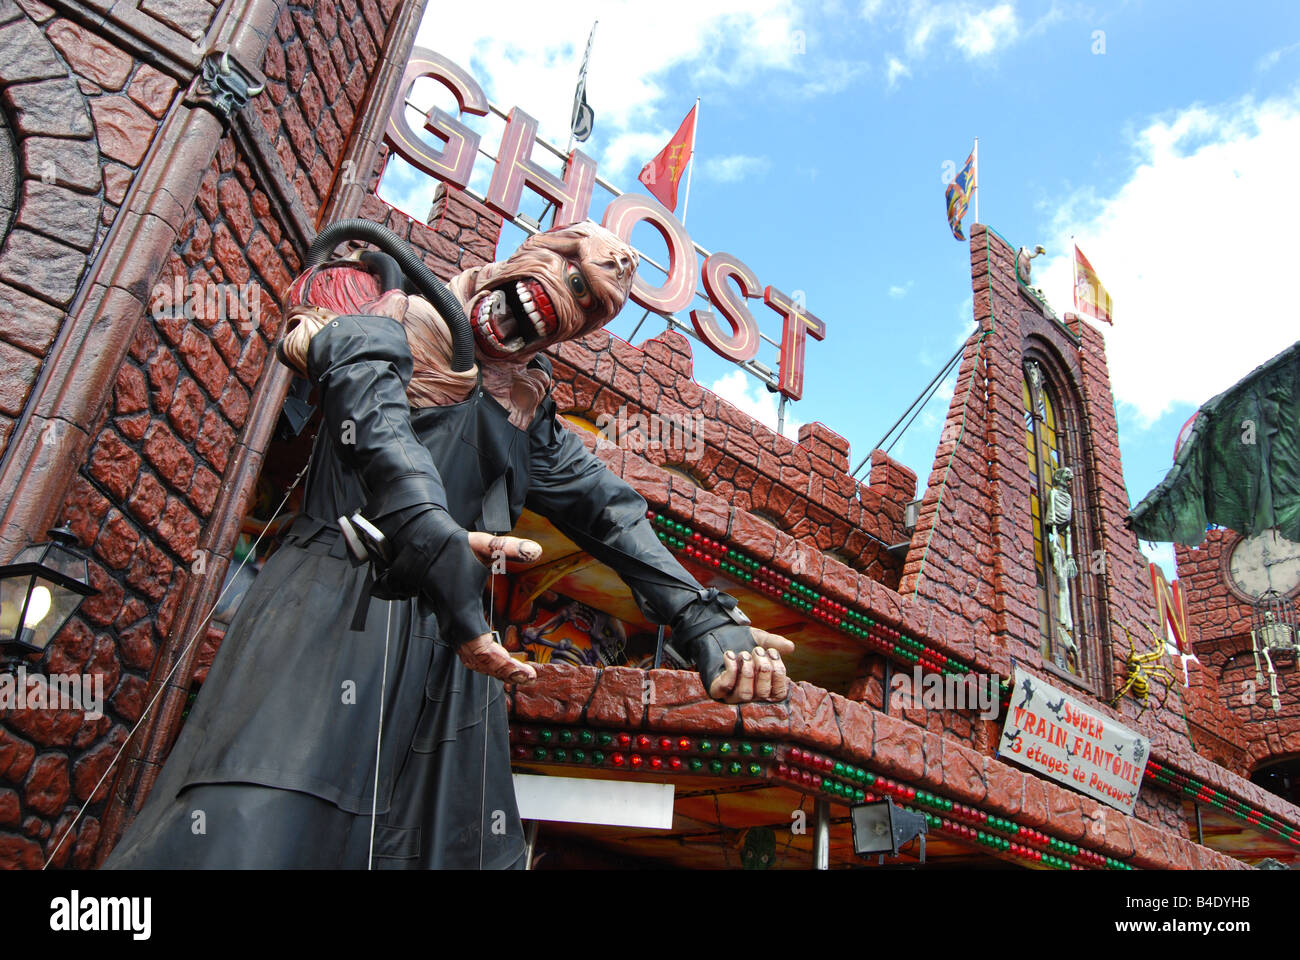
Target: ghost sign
{"points": [[729, 330]]}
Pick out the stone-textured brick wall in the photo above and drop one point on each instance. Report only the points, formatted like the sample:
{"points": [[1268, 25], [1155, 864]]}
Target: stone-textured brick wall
{"points": [[799, 491], [84, 112]]}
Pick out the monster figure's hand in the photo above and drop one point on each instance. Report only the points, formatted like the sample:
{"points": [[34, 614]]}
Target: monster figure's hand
{"points": [[483, 654], [738, 663], [486, 548], [754, 675]]}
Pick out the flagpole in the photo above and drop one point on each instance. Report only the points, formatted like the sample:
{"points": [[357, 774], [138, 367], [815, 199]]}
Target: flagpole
{"points": [[690, 164], [1074, 262], [581, 93], [977, 179], [582, 84]]}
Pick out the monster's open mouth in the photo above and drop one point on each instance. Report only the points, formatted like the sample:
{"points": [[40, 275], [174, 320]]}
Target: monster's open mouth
{"points": [[513, 315]]}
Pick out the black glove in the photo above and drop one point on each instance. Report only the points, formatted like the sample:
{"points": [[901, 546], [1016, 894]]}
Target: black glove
{"points": [[362, 365], [707, 628]]}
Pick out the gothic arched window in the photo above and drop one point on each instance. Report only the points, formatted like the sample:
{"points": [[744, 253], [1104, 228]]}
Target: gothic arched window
{"points": [[1062, 538]]}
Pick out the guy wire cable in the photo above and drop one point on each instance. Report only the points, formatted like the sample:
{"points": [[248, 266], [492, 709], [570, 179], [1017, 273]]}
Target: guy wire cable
{"points": [[924, 403], [939, 376]]}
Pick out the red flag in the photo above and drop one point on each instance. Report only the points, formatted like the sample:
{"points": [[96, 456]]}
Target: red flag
{"points": [[662, 174], [1090, 296]]}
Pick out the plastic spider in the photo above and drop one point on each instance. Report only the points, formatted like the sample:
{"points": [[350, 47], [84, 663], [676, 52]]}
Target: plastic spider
{"points": [[1142, 669]]}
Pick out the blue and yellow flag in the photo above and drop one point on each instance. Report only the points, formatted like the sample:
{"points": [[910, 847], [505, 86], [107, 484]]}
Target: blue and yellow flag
{"points": [[959, 194]]}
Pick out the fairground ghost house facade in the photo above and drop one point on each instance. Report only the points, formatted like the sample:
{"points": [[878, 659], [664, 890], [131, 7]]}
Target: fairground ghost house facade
{"points": [[164, 165]]}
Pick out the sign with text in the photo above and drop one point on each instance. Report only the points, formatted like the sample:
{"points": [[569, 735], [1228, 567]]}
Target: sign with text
{"points": [[729, 329], [1053, 734]]}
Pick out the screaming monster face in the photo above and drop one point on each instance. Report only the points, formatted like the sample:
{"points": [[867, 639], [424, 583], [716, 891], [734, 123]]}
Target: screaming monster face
{"points": [[557, 286]]}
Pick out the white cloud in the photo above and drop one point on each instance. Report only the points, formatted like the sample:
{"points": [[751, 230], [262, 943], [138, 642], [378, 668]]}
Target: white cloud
{"points": [[743, 391], [1193, 250], [896, 68], [1270, 59], [975, 32], [899, 291], [983, 32], [732, 168], [627, 153]]}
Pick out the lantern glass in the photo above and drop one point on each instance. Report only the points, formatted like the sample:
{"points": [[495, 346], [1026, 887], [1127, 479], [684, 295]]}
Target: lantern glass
{"points": [[62, 560], [13, 599], [40, 590], [49, 606]]}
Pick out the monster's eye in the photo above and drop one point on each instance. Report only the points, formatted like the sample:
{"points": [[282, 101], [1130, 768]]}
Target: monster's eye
{"points": [[577, 284]]}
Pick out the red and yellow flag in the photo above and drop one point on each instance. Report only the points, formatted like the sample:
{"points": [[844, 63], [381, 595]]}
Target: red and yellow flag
{"points": [[1090, 296], [662, 174]]}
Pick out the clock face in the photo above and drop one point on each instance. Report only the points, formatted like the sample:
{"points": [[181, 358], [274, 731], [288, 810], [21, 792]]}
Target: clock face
{"points": [[1266, 561]]}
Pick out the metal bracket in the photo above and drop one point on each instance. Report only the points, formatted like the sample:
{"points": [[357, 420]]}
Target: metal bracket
{"points": [[224, 85]]}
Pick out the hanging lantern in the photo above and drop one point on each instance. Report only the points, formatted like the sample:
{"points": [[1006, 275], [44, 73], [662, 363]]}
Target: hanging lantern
{"points": [[40, 590]]}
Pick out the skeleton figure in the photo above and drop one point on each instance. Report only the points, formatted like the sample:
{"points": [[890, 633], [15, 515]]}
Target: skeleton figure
{"points": [[1271, 639], [1060, 517]]}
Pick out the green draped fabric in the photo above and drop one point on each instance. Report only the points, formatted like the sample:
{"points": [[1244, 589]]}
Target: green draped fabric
{"points": [[1240, 465]]}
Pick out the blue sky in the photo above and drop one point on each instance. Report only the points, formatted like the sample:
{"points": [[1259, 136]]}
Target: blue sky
{"points": [[1159, 135]]}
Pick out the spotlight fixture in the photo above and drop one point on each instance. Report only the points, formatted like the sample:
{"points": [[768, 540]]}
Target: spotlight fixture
{"points": [[882, 828]]}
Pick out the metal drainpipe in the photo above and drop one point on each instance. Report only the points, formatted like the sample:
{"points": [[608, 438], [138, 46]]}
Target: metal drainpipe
{"points": [[190, 137], [821, 834]]}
